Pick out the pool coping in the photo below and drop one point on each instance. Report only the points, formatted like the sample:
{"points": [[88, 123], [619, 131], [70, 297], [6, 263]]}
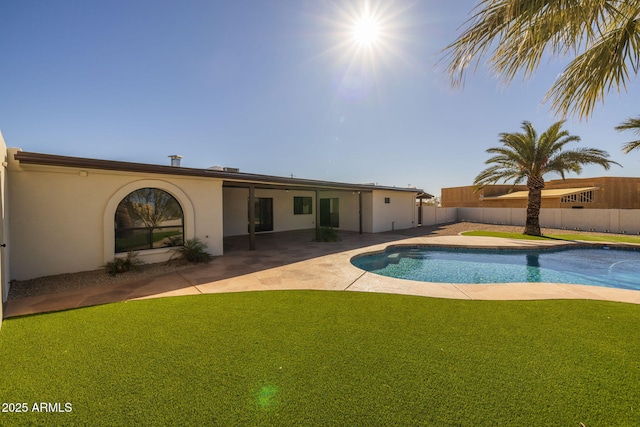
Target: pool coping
{"points": [[371, 282]]}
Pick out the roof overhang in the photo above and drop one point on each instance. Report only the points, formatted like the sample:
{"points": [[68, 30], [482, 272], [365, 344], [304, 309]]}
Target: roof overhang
{"points": [[546, 194], [230, 179]]}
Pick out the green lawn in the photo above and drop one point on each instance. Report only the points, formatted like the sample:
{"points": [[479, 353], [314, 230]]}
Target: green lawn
{"points": [[586, 237], [326, 358]]}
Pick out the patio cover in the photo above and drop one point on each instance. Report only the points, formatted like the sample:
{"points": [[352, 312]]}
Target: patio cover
{"points": [[546, 194]]}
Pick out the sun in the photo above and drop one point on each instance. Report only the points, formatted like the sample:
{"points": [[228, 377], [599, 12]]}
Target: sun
{"points": [[366, 31], [364, 39]]}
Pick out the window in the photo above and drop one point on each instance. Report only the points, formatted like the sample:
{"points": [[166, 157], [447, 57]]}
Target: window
{"points": [[302, 205], [148, 218], [584, 197], [387, 200]]}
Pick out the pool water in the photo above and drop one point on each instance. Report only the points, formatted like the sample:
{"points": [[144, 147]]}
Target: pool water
{"points": [[613, 268]]}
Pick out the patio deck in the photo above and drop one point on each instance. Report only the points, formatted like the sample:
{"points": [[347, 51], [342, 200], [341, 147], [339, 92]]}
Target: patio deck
{"points": [[290, 260]]}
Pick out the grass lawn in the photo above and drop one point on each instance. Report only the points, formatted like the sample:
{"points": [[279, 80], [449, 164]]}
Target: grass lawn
{"points": [[326, 358], [585, 237]]}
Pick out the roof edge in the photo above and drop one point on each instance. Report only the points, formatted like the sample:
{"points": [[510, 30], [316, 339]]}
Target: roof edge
{"points": [[27, 157]]}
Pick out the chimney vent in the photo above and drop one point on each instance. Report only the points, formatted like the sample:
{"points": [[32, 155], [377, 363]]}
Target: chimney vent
{"points": [[175, 160]]}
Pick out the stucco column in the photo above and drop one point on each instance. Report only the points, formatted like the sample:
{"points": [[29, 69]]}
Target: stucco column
{"points": [[317, 211], [360, 212], [252, 217]]}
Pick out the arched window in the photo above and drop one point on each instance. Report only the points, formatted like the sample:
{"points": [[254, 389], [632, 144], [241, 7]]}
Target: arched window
{"points": [[148, 218]]}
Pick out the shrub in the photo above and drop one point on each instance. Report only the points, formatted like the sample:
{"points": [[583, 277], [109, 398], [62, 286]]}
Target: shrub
{"points": [[174, 241], [122, 265], [193, 250]]}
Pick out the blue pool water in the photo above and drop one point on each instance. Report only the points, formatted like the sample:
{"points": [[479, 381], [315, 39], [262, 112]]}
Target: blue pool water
{"points": [[613, 268]]}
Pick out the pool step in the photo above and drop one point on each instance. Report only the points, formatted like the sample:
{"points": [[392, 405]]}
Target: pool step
{"points": [[395, 258], [416, 254]]}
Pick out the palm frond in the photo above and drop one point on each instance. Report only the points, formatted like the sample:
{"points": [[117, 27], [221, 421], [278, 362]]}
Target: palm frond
{"points": [[605, 66], [524, 155], [630, 146], [495, 174], [517, 35], [572, 161], [632, 124]]}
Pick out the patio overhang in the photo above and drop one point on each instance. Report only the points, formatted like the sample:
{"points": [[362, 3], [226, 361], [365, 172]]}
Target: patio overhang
{"points": [[554, 193], [286, 184]]}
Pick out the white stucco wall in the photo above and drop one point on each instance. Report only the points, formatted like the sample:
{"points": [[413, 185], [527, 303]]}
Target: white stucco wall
{"points": [[432, 215], [515, 216], [236, 214], [349, 219], [398, 214], [62, 219], [367, 212], [607, 220], [5, 271]]}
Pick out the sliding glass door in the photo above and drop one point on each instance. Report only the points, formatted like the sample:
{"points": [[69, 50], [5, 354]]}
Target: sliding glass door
{"points": [[330, 213], [264, 214]]}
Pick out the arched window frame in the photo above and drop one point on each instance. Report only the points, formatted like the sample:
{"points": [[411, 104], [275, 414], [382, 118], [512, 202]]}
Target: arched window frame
{"points": [[149, 255], [148, 218]]}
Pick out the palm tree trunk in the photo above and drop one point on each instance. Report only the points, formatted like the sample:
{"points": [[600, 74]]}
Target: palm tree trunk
{"points": [[532, 226]]}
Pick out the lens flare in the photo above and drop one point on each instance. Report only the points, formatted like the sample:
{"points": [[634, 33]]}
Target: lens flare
{"points": [[267, 396], [364, 40], [366, 31]]}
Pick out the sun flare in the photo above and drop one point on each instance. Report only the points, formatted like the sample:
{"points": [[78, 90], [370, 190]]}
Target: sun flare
{"points": [[365, 38], [366, 31]]}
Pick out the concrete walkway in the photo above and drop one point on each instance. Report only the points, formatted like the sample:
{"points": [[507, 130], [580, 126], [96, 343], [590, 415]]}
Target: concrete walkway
{"points": [[291, 260]]}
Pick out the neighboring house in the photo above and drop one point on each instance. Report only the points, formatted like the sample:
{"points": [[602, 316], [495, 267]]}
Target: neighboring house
{"points": [[571, 193], [70, 214]]}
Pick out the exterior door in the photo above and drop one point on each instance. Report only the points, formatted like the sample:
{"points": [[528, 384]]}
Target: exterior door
{"points": [[330, 213], [264, 214]]}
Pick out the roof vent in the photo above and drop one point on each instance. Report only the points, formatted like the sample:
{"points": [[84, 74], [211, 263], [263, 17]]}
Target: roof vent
{"points": [[216, 168], [175, 160]]}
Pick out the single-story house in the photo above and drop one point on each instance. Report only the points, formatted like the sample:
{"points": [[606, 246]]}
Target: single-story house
{"points": [[65, 214]]}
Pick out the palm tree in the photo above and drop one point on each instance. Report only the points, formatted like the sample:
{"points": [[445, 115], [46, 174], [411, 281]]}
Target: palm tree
{"points": [[602, 37], [527, 156], [630, 124]]}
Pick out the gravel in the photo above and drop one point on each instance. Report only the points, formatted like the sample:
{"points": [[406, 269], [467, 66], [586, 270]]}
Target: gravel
{"points": [[73, 281]]}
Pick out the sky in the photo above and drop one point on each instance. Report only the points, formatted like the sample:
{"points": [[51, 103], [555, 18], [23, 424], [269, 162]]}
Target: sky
{"points": [[275, 87]]}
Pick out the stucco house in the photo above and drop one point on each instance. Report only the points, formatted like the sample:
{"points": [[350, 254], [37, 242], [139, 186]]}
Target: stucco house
{"points": [[65, 214]]}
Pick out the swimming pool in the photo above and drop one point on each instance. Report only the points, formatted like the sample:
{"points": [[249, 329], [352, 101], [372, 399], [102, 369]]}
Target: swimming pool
{"points": [[602, 266]]}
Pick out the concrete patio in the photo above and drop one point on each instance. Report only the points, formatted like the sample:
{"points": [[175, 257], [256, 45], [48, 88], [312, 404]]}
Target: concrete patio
{"points": [[290, 260]]}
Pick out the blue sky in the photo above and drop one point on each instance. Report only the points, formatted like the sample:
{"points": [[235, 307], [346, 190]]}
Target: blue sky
{"points": [[275, 87]]}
